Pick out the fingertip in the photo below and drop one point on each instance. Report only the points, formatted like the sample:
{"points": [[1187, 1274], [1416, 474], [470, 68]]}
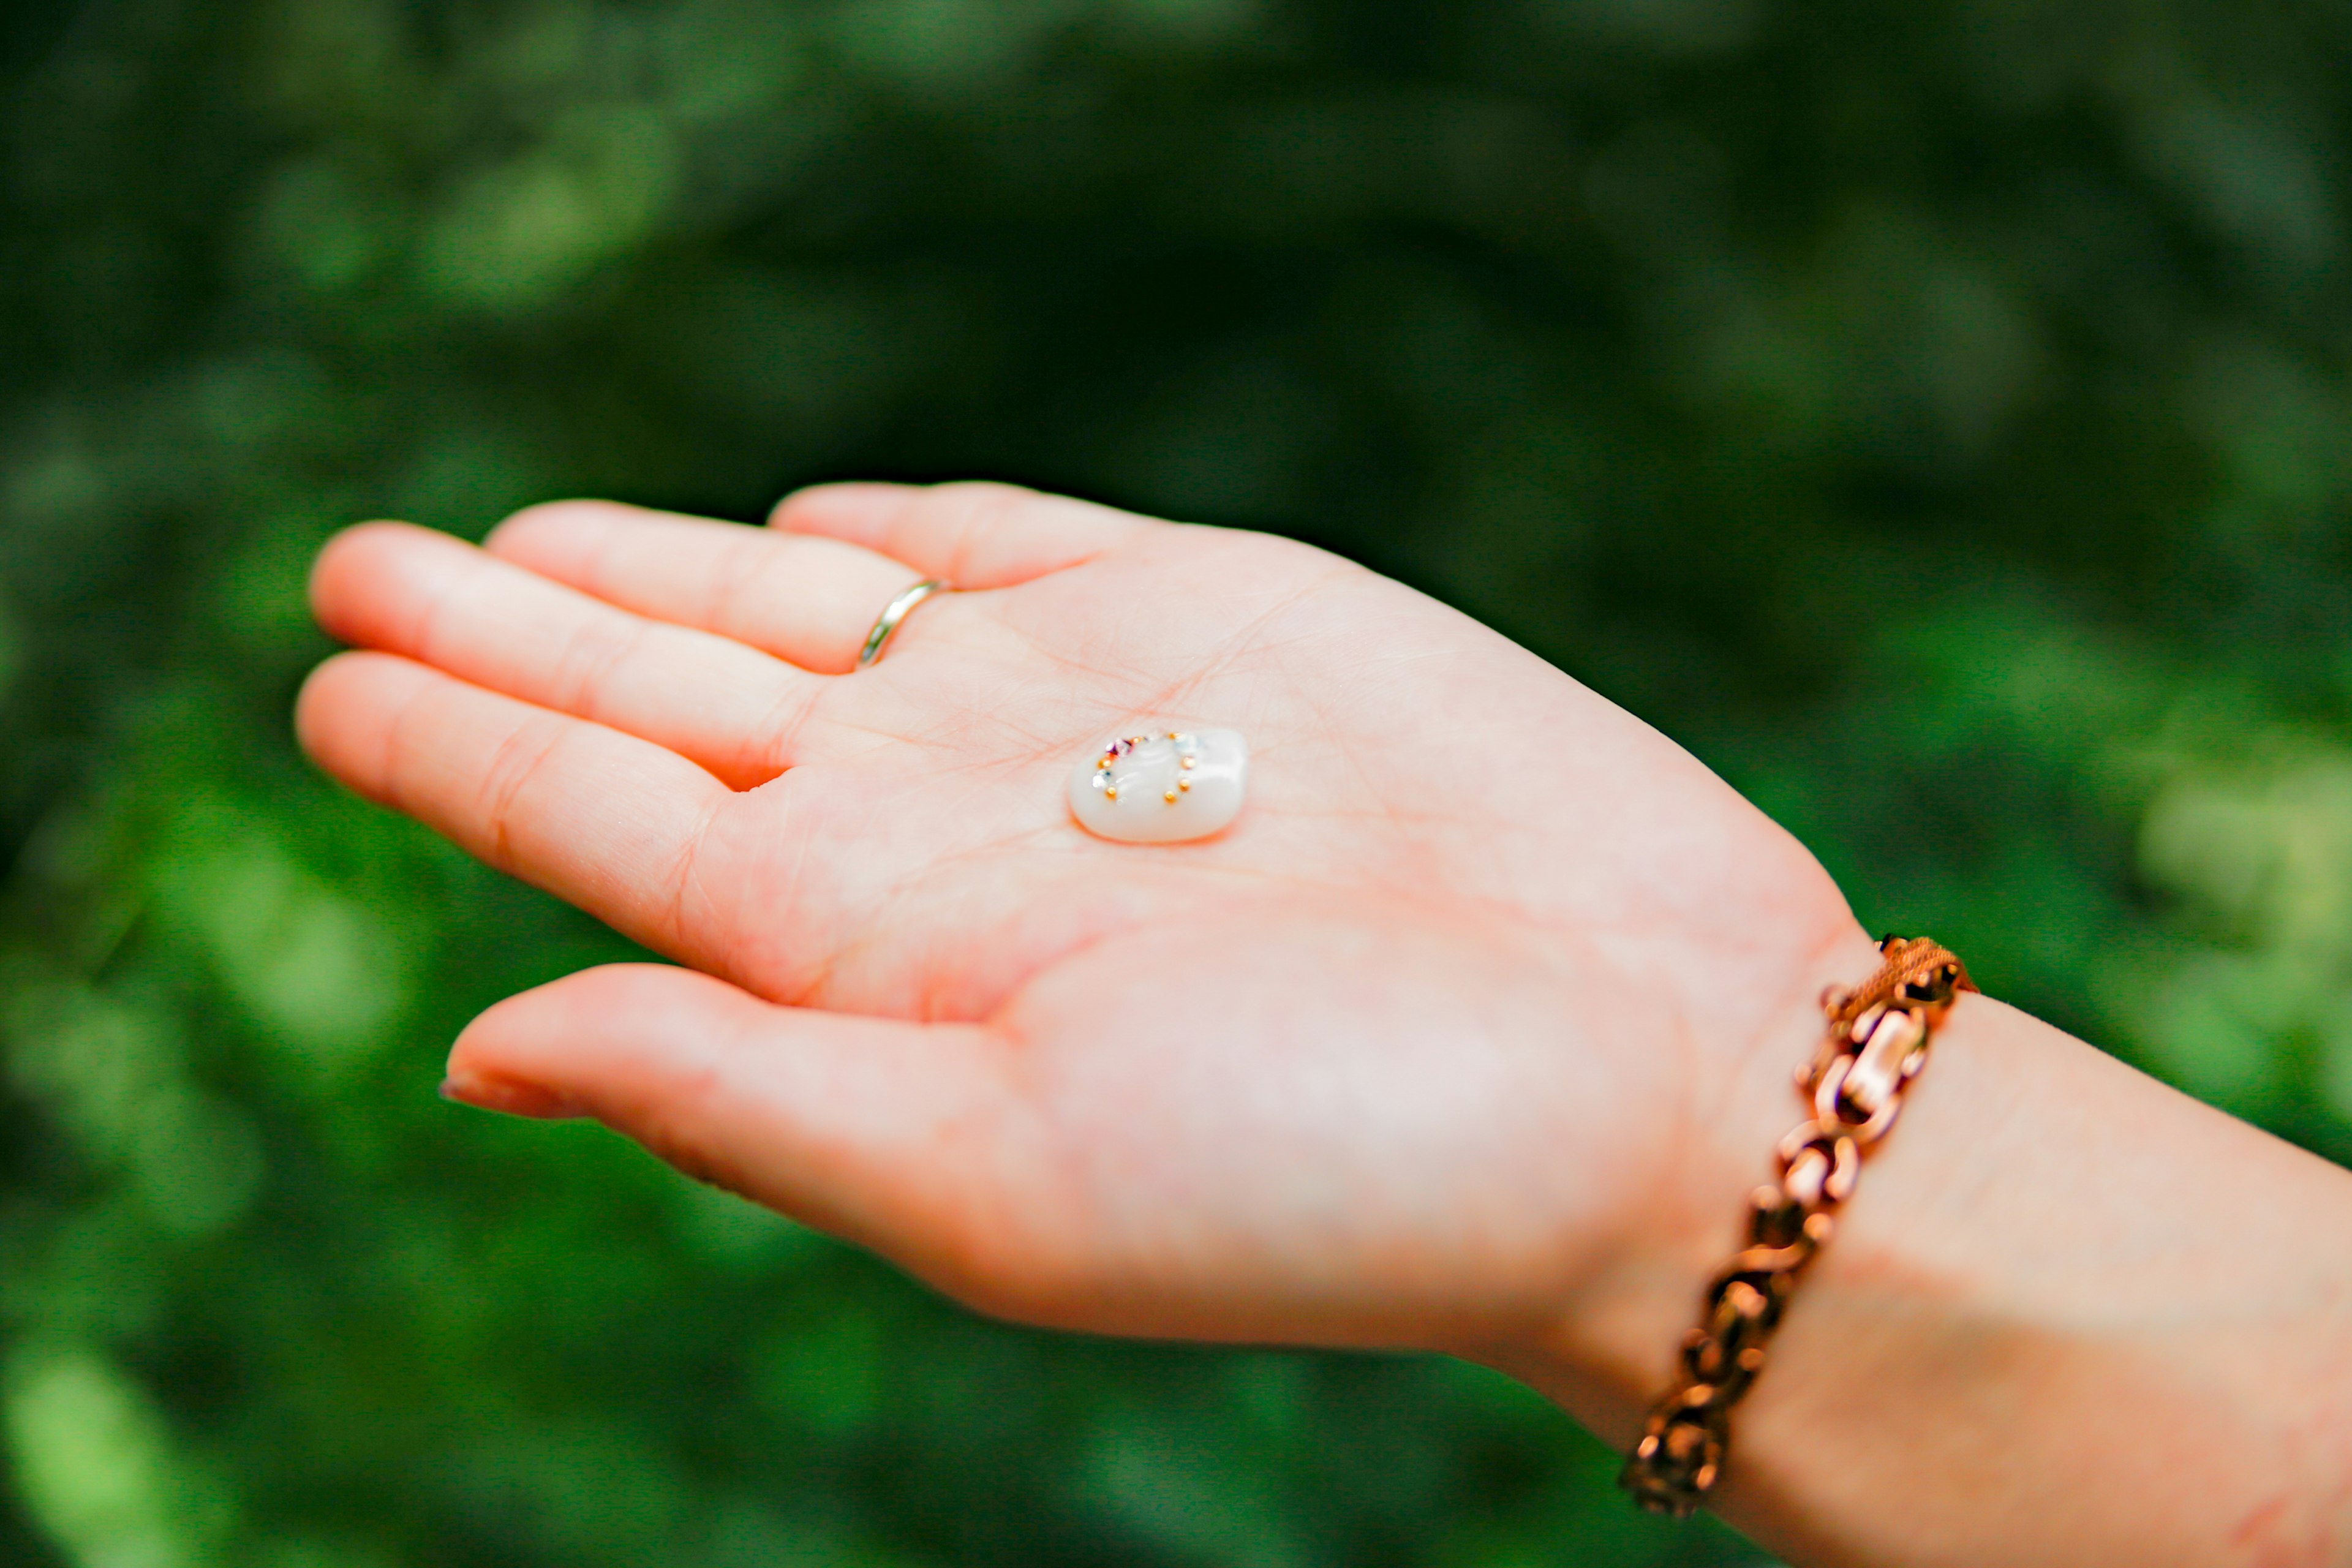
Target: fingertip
{"points": [[551, 532], [350, 578], [842, 508], [509, 1098], [340, 562], [314, 703], [497, 1061], [566, 1038], [341, 703]]}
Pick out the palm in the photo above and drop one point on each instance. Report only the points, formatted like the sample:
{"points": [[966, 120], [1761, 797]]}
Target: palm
{"points": [[1398, 1029]]}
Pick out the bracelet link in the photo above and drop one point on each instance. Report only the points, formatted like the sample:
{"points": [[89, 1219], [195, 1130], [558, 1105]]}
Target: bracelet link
{"points": [[1874, 1045]]}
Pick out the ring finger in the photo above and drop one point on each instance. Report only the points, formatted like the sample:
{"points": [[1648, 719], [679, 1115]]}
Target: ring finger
{"points": [[805, 599]]}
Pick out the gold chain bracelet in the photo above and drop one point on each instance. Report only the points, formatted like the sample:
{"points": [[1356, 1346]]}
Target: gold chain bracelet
{"points": [[1876, 1043]]}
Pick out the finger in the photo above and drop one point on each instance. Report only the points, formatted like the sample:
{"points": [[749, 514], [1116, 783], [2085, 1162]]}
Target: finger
{"points": [[806, 599], [427, 596], [905, 1137], [975, 535], [604, 820]]}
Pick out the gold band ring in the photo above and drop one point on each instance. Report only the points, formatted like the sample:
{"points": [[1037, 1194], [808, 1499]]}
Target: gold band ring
{"points": [[895, 611]]}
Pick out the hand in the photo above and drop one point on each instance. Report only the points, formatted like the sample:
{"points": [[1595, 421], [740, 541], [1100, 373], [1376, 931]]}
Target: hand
{"points": [[1432, 1040]]}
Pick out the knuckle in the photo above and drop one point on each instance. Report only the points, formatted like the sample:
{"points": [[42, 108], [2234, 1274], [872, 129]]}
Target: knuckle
{"points": [[976, 510], [593, 652], [518, 761]]}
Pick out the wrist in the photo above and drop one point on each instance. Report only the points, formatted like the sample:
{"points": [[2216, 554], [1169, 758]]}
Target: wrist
{"points": [[1608, 1351], [2069, 1315]]}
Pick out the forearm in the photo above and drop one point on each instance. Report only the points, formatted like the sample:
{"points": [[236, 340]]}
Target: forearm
{"points": [[2070, 1316]]}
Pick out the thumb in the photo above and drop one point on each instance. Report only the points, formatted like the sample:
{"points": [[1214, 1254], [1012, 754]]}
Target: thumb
{"points": [[904, 1137]]}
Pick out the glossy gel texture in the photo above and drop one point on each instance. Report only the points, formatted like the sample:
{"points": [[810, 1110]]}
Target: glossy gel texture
{"points": [[1158, 787]]}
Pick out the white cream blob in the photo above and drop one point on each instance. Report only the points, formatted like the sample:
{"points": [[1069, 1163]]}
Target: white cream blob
{"points": [[1158, 788]]}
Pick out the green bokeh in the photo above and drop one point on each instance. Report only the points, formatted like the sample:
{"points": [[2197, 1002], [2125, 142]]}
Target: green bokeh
{"points": [[1934, 413]]}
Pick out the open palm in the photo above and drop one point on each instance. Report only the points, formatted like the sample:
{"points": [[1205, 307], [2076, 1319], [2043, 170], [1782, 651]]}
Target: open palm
{"points": [[1396, 1058]]}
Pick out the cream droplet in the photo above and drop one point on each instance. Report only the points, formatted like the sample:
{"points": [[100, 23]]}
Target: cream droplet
{"points": [[1160, 787]]}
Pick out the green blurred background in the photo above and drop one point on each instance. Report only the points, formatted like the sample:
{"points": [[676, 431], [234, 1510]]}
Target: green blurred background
{"points": [[1934, 413]]}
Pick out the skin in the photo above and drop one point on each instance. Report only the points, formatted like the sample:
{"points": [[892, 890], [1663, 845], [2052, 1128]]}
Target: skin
{"points": [[1468, 1035]]}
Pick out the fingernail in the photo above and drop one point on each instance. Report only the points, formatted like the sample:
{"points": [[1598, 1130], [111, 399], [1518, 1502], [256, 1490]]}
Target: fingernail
{"points": [[511, 1099]]}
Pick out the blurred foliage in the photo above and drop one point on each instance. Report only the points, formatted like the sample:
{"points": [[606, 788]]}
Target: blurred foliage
{"points": [[1934, 413]]}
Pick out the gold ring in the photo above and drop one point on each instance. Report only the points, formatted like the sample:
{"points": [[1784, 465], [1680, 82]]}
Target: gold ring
{"points": [[895, 611]]}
